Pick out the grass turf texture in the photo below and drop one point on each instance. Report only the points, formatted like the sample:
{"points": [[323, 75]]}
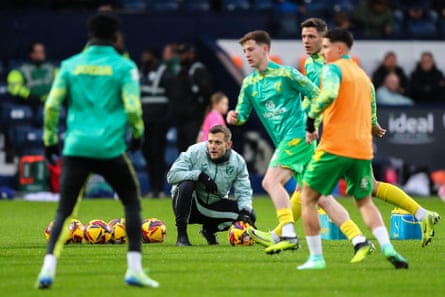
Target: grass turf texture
{"points": [[201, 270]]}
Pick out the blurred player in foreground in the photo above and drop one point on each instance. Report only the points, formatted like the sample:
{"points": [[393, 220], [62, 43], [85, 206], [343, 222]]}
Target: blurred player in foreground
{"points": [[101, 89]]}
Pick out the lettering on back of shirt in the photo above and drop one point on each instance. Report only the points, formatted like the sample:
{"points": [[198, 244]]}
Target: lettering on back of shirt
{"points": [[93, 70]]}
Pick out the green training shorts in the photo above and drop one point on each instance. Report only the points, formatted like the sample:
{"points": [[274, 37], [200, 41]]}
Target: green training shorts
{"points": [[325, 170], [294, 154]]}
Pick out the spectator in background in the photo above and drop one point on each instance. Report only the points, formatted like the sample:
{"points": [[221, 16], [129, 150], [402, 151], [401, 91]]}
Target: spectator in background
{"points": [[156, 80], [219, 105], [414, 10], [388, 65], [170, 57], [439, 8], [31, 82], [388, 93], [191, 91], [374, 18], [427, 81]]}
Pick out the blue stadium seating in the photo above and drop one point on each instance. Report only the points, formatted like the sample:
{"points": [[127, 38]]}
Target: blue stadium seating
{"points": [[196, 5], [162, 5], [134, 4], [441, 27], [263, 5], [232, 5], [421, 28]]}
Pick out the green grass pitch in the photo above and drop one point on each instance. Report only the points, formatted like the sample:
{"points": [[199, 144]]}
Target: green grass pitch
{"points": [[201, 270]]}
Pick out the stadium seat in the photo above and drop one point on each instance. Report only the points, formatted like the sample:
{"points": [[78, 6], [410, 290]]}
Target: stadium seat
{"points": [[12, 114], [315, 8], [441, 27], [196, 5], [421, 28], [263, 5], [232, 5], [134, 4], [138, 161], [162, 5]]}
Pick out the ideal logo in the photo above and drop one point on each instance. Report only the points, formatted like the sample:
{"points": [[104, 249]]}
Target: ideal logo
{"points": [[411, 130]]}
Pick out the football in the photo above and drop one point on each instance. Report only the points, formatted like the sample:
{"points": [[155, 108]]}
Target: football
{"points": [[238, 235], [118, 231], [153, 230], [97, 231], [48, 233], [76, 229]]}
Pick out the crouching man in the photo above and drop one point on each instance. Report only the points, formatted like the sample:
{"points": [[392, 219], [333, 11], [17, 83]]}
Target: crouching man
{"points": [[201, 180]]}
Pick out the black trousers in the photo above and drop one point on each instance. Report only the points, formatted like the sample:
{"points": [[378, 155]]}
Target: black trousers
{"points": [[120, 175], [187, 132], [214, 217], [153, 148]]}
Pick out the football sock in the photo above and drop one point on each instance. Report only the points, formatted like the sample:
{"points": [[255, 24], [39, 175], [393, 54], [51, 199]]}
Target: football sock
{"points": [[275, 236], [381, 234], [295, 205], [284, 216], [314, 245], [358, 239], [288, 230], [350, 229], [394, 195], [49, 263], [420, 214], [134, 261]]}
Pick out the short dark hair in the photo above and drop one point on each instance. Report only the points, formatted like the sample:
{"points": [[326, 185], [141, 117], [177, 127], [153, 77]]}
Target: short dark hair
{"points": [[104, 25], [222, 129], [317, 23], [340, 35], [33, 45], [259, 36]]}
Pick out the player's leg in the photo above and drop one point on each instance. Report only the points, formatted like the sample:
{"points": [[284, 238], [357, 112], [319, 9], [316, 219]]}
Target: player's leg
{"points": [[320, 177], [121, 176], [273, 183], [311, 223], [340, 216], [396, 196], [73, 176], [182, 205], [290, 158], [359, 180]]}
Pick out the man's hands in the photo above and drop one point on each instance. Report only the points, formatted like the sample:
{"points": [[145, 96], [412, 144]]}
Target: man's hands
{"points": [[378, 131], [247, 216], [232, 117], [209, 183], [52, 153], [311, 132]]}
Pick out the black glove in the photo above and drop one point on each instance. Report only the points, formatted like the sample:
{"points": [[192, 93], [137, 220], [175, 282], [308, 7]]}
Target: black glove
{"points": [[135, 144], [209, 183], [52, 153], [247, 217], [310, 125]]}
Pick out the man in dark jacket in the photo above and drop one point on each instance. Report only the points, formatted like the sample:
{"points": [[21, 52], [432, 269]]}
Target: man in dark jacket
{"points": [[191, 91]]}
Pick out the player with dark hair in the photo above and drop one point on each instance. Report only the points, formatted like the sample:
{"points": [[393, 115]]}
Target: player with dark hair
{"points": [[345, 150], [202, 178], [101, 89], [275, 92]]}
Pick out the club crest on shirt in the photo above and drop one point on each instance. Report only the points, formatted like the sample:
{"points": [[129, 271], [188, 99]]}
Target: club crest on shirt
{"points": [[230, 170]]}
